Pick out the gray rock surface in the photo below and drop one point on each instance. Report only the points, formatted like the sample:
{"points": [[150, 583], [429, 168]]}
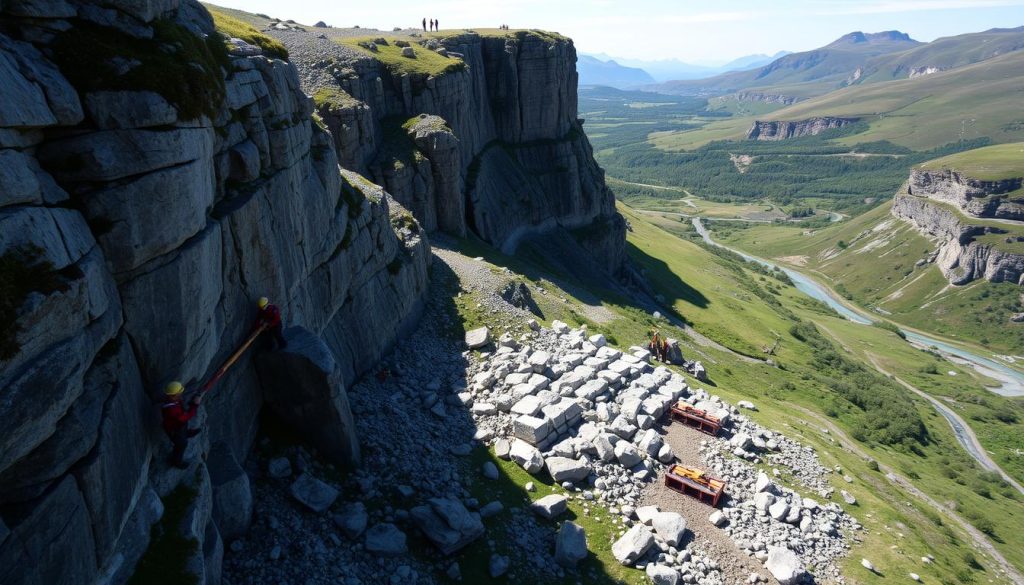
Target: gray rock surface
{"points": [[448, 524], [633, 544], [304, 385], [313, 493], [570, 544], [385, 540], [550, 506], [352, 520], [785, 566]]}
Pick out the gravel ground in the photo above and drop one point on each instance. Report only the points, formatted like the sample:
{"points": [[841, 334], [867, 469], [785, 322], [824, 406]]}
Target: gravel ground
{"points": [[711, 541]]}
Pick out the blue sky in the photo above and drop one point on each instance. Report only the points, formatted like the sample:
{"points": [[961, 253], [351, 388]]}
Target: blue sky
{"points": [[690, 30]]}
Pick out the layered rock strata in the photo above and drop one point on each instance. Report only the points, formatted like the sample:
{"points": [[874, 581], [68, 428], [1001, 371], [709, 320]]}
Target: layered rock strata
{"points": [[1002, 199], [152, 187], [491, 146], [961, 257], [783, 130]]}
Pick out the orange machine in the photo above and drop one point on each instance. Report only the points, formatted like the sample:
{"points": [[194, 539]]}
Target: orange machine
{"points": [[696, 418], [695, 483]]}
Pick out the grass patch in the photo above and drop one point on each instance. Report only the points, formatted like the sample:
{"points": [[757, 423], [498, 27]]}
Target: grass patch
{"points": [[184, 69], [334, 99], [426, 62], [992, 163], [233, 27]]}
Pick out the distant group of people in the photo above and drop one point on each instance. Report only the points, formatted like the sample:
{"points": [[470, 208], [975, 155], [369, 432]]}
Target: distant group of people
{"points": [[433, 24], [503, 27]]}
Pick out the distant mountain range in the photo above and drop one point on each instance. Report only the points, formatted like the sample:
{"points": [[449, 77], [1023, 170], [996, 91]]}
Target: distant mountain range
{"points": [[593, 71], [672, 69], [853, 59]]}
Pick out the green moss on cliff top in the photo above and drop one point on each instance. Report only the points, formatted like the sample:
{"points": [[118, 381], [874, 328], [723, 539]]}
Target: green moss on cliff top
{"points": [[183, 68], [334, 98], [426, 62], [991, 163], [233, 27]]}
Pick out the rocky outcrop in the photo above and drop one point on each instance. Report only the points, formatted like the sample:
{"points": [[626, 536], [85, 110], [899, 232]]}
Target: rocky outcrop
{"points": [[783, 130], [152, 186], [766, 98], [492, 147], [991, 199], [961, 257]]}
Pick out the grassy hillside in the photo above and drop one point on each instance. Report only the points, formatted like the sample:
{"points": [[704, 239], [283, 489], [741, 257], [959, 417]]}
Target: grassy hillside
{"points": [[993, 163], [945, 53], [802, 74], [802, 398], [872, 260], [979, 100]]}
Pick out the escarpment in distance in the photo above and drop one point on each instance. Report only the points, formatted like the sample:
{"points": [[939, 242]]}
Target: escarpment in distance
{"points": [[976, 223], [783, 130]]}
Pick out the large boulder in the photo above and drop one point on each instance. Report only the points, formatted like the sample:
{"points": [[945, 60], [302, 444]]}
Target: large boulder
{"points": [[385, 540], [526, 456], [551, 506], [448, 524], [303, 385], [670, 526], [565, 469], [570, 544], [633, 544], [232, 495], [313, 493], [785, 565]]}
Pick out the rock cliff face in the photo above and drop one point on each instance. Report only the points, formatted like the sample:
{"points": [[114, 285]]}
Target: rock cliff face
{"points": [[992, 199], [151, 188], [154, 185], [961, 257], [766, 98], [493, 147], [782, 130]]}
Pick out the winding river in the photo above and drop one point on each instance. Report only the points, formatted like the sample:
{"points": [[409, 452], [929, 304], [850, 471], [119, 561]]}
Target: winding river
{"points": [[1011, 381]]}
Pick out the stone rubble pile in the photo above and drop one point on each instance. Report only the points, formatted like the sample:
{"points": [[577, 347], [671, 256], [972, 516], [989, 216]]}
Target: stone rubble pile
{"points": [[761, 516], [565, 402]]}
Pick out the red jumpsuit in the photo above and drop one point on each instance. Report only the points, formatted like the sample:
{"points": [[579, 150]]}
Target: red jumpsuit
{"points": [[271, 317], [175, 422]]}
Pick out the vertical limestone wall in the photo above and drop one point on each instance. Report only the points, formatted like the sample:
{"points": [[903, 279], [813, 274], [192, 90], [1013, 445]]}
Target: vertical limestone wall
{"points": [[139, 224], [496, 147]]}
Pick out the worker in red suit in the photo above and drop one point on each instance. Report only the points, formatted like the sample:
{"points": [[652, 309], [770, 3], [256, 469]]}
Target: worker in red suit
{"points": [[269, 317], [175, 421]]}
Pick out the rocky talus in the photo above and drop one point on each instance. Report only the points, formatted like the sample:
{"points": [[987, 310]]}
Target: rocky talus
{"points": [[152, 187], [977, 198], [785, 129], [942, 204], [490, 145]]}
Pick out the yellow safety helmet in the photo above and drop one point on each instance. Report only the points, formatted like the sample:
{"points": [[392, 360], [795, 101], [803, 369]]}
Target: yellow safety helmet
{"points": [[174, 388], [263, 302]]}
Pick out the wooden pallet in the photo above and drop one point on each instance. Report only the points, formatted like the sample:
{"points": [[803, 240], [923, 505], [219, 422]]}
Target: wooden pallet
{"points": [[695, 483], [696, 418]]}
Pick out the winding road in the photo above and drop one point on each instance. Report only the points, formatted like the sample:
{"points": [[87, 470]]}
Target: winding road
{"points": [[976, 535], [963, 432]]}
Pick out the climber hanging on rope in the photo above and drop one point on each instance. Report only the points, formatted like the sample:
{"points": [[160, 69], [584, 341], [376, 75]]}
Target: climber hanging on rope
{"points": [[269, 317], [175, 421]]}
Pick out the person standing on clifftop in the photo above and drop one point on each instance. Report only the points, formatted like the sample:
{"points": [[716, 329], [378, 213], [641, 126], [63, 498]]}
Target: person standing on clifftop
{"points": [[437, 25], [424, 25], [175, 421], [431, 24]]}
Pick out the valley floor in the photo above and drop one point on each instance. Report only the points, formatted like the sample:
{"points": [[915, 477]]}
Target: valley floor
{"points": [[422, 440]]}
